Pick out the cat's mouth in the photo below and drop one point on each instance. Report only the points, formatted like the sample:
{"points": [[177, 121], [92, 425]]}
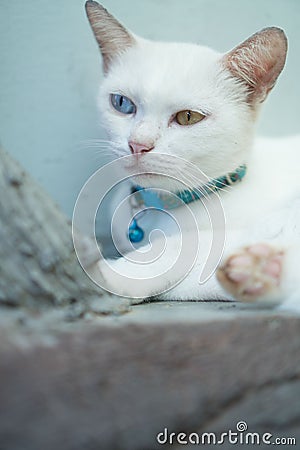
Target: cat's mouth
{"points": [[148, 176], [145, 173], [140, 165], [155, 171]]}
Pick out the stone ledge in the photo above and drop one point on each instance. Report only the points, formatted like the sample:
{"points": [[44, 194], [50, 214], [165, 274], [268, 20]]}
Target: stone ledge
{"points": [[115, 382]]}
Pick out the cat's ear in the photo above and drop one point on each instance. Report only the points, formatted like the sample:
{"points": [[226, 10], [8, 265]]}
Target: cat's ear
{"points": [[258, 62], [110, 35]]}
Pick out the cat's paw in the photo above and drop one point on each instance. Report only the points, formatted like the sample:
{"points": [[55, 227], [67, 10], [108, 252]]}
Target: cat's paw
{"points": [[253, 273]]}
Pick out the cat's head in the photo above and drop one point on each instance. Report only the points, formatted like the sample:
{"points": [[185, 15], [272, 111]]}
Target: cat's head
{"points": [[183, 99]]}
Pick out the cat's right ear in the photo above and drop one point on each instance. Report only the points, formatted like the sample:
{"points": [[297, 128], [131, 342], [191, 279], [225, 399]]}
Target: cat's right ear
{"points": [[258, 62], [111, 36]]}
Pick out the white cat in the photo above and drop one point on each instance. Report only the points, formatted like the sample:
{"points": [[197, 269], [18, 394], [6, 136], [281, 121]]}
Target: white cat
{"points": [[191, 102]]}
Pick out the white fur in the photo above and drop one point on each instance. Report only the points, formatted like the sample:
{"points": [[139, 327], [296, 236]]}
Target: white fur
{"points": [[164, 78]]}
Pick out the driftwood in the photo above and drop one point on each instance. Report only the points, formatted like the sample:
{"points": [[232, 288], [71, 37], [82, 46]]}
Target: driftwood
{"points": [[39, 267]]}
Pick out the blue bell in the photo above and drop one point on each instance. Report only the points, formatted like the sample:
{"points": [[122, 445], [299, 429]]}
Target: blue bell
{"points": [[135, 233]]}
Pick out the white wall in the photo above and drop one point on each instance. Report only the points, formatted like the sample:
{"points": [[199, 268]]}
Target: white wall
{"points": [[50, 68]]}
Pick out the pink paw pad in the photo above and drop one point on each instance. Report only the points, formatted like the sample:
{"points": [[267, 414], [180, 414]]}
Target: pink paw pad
{"points": [[273, 268], [252, 273]]}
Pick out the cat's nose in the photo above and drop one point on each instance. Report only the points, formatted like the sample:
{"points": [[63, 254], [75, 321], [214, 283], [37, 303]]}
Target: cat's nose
{"points": [[137, 147]]}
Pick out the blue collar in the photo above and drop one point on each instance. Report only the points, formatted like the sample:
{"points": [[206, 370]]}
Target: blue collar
{"points": [[150, 199]]}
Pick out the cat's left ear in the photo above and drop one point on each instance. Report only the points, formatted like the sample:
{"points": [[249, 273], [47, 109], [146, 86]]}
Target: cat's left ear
{"points": [[258, 61], [111, 36]]}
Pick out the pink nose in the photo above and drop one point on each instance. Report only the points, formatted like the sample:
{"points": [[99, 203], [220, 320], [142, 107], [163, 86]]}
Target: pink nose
{"points": [[136, 147]]}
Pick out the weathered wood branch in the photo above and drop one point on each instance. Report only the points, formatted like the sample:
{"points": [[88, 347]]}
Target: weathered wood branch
{"points": [[118, 386], [38, 265]]}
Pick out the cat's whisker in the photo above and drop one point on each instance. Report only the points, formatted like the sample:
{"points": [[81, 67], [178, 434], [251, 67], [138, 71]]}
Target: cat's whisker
{"points": [[104, 147], [195, 184], [224, 188], [83, 147], [199, 190], [209, 189], [96, 141]]}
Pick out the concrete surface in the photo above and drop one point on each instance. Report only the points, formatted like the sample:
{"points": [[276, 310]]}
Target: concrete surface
{"points": [[115, 382]]}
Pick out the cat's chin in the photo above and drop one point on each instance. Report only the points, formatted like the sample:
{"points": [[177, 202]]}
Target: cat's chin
{"points": [[148, 177], [148, 180], [151, 180]]}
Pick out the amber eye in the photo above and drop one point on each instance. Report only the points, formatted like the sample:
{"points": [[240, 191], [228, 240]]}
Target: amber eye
{"points": [[188, 117]]}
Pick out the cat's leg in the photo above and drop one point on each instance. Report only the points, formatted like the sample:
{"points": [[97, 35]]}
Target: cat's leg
{"points": [[262, 272], [190, 289], [266, 268], [142, 273], [174, 275]]}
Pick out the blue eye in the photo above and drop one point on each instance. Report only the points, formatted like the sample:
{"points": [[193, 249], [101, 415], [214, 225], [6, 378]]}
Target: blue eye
{"points": [[122, 104]]}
